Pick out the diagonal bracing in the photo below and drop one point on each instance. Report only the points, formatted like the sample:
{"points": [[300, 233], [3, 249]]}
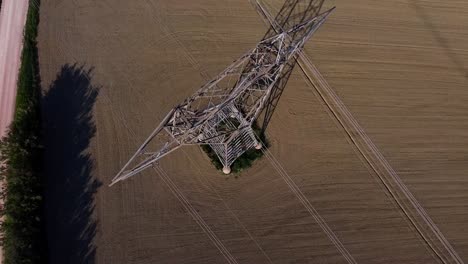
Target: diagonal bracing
{"points": [[221, 113]]}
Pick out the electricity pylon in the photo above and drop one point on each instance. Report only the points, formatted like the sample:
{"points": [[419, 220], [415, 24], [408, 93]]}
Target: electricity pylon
{"points": [[221, 113]]}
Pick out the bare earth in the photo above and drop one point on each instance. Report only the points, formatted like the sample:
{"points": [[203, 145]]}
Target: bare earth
{"points": [[112, 69]]}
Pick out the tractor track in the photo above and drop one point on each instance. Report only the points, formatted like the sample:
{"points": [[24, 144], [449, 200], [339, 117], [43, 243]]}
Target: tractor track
{"points": [[414, 211]]}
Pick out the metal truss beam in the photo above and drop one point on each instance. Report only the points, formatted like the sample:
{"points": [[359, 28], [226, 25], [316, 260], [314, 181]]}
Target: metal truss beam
{"points": [[221, 113]]}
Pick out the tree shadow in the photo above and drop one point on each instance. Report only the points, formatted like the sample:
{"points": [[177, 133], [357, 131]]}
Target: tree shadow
{"points": [[292, 12], [443, 42], [70, 186]]}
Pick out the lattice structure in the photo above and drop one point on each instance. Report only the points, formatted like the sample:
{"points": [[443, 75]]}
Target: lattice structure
{"points": [[221, 113]]}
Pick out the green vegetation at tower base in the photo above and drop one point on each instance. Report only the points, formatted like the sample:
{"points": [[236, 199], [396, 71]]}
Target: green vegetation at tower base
{"points": [[245, 161], [21, 158]]}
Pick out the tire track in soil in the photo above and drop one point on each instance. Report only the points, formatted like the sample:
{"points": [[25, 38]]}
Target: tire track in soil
{"points": [[174, 189], [306, 203], [170, 33], [209, 186], [391, 180], [197, 66], [189, 208], [186, 204], [176, 192], [374, 157]]}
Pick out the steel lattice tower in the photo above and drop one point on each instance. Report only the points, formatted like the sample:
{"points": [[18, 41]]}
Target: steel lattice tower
{"points": [[221, 113]]}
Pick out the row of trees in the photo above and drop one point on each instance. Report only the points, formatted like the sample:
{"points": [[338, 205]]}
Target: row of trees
{"points": [[21, 158]]}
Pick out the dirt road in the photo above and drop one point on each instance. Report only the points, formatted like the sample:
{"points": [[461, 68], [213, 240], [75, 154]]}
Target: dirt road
{"points": [[12, 20]]}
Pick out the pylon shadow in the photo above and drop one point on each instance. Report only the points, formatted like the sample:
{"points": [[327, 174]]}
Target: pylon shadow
{"points": [[292, 12], [70, 185]]}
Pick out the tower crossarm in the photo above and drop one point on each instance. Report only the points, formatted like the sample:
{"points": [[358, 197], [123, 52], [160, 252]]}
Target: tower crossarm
{"points": [[287, 45], [145, 156], [221, 113]]}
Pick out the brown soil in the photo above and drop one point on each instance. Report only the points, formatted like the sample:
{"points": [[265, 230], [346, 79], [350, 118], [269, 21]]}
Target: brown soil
{"points": [[112, 69]]}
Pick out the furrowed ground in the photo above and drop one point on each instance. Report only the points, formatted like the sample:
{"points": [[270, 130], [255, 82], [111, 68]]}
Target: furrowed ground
{"points": [[112, 69]]}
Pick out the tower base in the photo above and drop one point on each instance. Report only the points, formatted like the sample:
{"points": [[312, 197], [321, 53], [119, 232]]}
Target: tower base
{"points": [[226, 170]]}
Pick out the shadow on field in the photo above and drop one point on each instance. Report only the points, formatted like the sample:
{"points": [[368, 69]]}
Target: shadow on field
{"points": [[443, 42], [70, 186], [291, 13]]}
